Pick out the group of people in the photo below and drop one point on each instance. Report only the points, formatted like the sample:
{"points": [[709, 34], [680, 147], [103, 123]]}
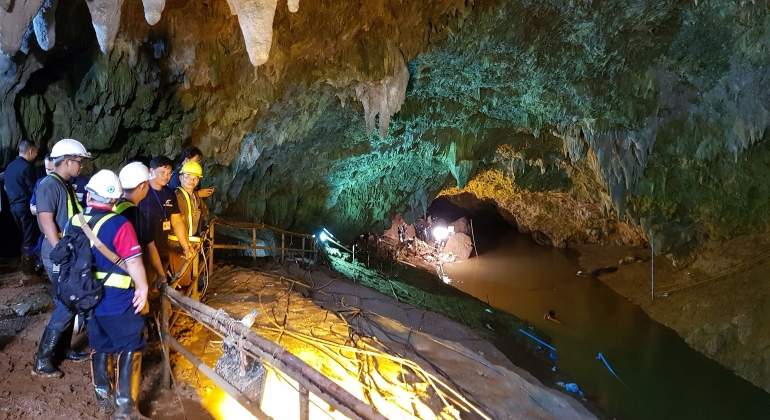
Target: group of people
{"points": [[151, 218]]}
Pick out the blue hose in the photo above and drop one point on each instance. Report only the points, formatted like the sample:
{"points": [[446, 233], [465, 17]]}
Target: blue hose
{"points": [[600, 356], [537, 340]]}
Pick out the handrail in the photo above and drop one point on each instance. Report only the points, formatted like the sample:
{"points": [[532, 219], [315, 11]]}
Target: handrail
{"points": [[308, 378], [310, 251]]}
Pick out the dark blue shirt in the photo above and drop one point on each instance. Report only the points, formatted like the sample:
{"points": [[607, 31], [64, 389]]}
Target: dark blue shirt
{"points": [[20, 177], [175, 183], [157, 208], [79, 185]]}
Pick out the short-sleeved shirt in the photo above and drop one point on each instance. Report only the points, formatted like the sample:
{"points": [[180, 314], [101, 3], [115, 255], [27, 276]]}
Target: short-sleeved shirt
{"points": [[20, 177], [157, 208], [79, 185], [119, 236], [52, 197], [138, 221], [33, 199]]}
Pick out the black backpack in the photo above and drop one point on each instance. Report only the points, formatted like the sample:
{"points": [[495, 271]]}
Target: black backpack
{"points": [[76, 286]]}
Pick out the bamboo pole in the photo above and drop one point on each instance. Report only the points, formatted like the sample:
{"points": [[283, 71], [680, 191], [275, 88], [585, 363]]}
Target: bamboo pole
{"points": [[211, 251], [248, 404], [254, 243], [304, 403], [278, 357]]}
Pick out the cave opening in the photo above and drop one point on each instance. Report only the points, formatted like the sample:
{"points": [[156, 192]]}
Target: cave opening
{"points": [[610, 159]]}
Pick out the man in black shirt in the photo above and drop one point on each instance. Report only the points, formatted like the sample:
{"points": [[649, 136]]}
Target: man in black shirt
{"points": [[134, 179], [160, 208], [20, 178]]}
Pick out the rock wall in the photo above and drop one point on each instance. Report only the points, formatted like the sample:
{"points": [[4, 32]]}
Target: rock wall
{"points": [[583, 122]]}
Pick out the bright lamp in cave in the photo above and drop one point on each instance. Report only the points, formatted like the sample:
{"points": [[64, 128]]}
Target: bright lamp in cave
{"points": [[323, 236], [440, 233]]}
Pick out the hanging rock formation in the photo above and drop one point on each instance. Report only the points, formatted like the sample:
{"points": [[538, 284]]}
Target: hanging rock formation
{"points": [[153, 10], [256, 20]]}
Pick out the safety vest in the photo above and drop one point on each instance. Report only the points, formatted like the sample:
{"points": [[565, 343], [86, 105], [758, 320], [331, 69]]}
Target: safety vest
{"points": [[188, 202], [114, 279], [73, 205], [122, 206]]}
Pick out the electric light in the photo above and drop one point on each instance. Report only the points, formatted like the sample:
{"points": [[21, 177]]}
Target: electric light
{"points": [[440, 233]]}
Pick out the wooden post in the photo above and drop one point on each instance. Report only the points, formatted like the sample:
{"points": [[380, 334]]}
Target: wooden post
{"points": [[283, 245], [211, 251], [165, 314], [304, 403], [303, 248], [473, 236], [254, 243]]}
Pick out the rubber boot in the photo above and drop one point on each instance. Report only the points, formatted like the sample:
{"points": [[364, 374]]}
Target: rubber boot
{"points": [[27, 264], [127, 390], [44, 358], [66, 351], [100, 372]]}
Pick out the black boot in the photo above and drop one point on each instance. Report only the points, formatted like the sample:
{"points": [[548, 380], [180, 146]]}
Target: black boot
{"points": [[27, 264], [100, 372], [127, 389], [44, 358]]}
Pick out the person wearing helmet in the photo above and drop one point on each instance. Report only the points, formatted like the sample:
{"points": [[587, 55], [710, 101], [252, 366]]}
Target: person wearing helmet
{"points": [[134, 178], [189, 154], [161, 209], [56, 204], [116, 326], [193, 212]]}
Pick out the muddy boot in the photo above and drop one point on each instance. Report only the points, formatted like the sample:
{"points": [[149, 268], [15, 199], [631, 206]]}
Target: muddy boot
{"points": [[127, 390], [100, 372], [27, 264], [44, 358]]}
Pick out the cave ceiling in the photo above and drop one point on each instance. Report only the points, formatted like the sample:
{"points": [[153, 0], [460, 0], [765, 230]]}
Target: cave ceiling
{"points": [[582, 121]]}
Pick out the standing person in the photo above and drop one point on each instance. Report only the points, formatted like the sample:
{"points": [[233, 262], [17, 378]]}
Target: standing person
{"points": [[48, 164], [20, 177], [194, 212], [189, 154], [116, 325], [56, 204], [161, 209], [134, 179]]}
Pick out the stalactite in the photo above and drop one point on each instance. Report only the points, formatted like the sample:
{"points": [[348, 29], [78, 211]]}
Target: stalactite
{"points": [[256, 20], [293, 5], [15, 23], [105, 16], [153, 10], [44, 25], [383, 98]]}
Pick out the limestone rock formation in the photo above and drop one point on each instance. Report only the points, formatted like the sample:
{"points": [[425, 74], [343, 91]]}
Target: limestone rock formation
{"points": [[383, 98], [15, 18], [153, 10], [256, 20], [105, 16]]}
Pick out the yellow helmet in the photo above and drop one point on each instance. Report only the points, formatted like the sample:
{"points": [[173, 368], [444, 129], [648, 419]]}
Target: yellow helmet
{"points": [[193, 168]]}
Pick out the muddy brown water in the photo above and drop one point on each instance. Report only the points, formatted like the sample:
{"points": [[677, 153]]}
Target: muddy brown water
{"points": [[660, 376]]}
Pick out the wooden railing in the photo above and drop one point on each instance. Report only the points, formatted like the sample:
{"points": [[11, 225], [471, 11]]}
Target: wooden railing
{"points": [[266, 351], [291, 243]]}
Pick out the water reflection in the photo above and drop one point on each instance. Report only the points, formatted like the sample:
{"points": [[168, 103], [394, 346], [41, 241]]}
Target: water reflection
{"points": [[661, 376]]}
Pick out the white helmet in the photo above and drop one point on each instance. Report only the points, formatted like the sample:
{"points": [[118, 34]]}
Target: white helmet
{"points": [[105, 184], [133, 174], [69, 147]]}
